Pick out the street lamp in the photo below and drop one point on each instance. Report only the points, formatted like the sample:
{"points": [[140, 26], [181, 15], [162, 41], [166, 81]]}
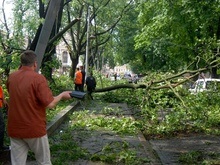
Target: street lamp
{"points": [[87, 43]]}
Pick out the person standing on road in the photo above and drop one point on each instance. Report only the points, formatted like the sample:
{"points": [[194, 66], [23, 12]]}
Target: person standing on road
{"points": [[115, 76], [91, 84], [3, 104], [29, 97], [78, 80]]}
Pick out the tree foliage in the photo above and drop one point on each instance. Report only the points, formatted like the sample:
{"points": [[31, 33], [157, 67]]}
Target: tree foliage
{"points": [[149, 35], [174, 33], [70, 25]]}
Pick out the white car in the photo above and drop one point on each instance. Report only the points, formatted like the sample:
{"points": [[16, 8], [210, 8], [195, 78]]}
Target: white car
{"points": [[205, 84]]}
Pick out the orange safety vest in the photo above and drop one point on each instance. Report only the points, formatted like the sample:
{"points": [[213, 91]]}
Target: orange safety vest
{"points": [[78, 78], [1, 97]]}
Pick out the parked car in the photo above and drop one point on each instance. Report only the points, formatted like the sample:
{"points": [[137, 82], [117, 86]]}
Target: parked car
{"points": [[128, 77], [131, 79], [135, 79], [205, 84]]}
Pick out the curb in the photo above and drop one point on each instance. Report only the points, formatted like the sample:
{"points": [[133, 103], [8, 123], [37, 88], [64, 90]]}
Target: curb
{"points": [[149, 151], [155, 160], [60, 117]]}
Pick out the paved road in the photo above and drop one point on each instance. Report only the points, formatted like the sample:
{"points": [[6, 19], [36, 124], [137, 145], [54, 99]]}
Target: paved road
{"points": [[169, 150]]}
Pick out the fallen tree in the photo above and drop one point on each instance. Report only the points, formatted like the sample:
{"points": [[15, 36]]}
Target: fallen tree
{"points": [[171, 81], [157, 84]]}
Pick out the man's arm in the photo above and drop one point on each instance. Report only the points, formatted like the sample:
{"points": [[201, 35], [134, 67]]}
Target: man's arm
{"points": [[62, 96]]}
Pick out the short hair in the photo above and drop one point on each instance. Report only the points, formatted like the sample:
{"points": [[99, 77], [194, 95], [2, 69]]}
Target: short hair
{"points": [[28, 58]]}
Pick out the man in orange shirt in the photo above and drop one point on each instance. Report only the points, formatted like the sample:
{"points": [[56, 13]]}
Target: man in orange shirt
{"points": [[78, 80], [29, 96]]}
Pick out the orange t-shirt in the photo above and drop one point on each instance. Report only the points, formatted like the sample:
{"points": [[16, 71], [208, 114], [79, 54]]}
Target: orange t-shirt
{"points": [[1, 97], [29, 96], [78, 78]]}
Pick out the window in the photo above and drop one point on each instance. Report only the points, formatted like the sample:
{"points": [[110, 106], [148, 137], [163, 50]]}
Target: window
{"points": [[65, 57], [200, 85]]}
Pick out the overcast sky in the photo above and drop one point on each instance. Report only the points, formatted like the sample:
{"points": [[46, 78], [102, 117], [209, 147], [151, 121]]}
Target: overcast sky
{"points": [[8, 8]]}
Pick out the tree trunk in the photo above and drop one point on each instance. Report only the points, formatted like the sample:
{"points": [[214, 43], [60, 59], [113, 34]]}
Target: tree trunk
{"points": [[73, 67]]}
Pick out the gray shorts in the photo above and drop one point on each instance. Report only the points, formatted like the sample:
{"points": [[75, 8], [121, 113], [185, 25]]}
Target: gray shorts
{"points": [[39, 146]]}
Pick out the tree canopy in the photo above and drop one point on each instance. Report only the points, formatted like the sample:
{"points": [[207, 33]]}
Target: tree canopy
{"points": [[151, 35], [173, 34]]}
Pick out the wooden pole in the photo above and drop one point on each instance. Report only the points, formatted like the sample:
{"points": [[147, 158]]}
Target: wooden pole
{"points": [[53, 9]]}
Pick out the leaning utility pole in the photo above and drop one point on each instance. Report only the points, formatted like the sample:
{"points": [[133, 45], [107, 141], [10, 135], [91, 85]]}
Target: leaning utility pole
{"points": [[51, 14]]}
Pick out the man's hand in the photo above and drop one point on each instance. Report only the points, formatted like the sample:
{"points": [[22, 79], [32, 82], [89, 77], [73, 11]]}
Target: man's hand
{"points": [[66, 95], [62, 96]]}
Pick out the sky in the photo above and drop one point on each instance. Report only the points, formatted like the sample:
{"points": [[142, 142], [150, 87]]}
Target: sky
{"points": [[8, 9]]}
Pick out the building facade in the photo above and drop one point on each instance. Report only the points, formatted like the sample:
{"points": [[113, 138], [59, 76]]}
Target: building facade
{"points": [[63, 56]]}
